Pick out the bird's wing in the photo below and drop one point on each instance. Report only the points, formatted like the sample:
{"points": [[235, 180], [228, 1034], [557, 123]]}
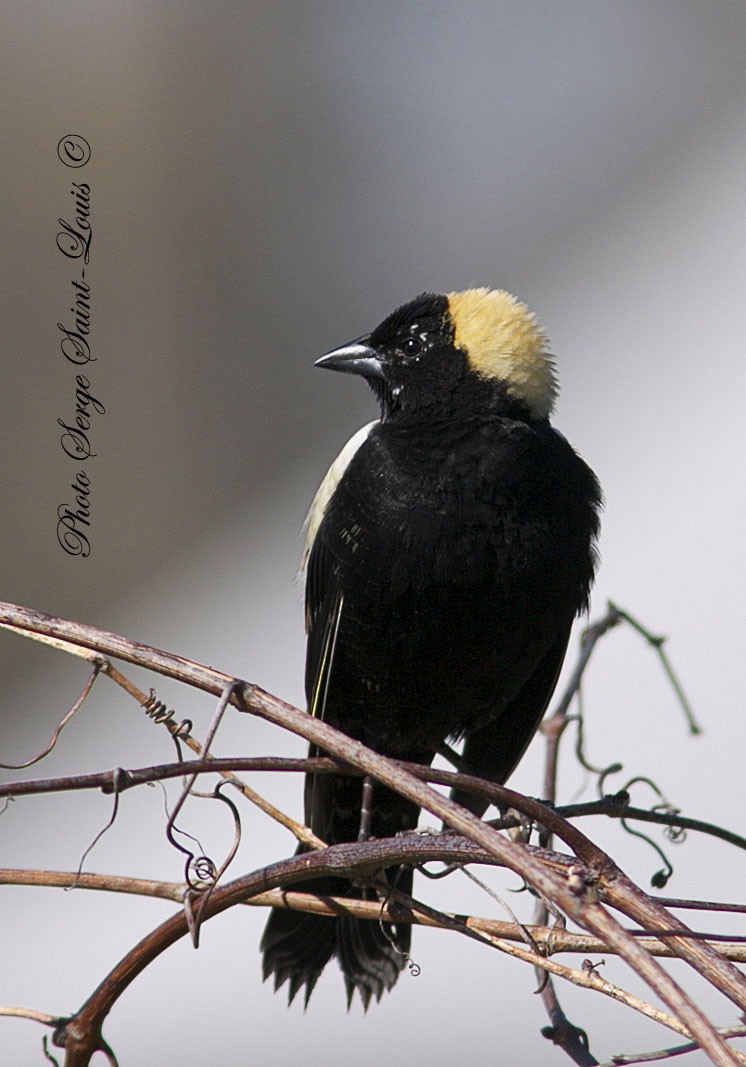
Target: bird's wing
{"points": [[324, 604], [324, 595], [493, 751]]}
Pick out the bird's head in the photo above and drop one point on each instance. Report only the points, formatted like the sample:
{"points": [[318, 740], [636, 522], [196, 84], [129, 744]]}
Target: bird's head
{"points": [[453, 353]]}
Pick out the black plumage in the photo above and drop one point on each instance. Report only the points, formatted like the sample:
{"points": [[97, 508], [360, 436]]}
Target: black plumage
{"points": [[449, 549]]}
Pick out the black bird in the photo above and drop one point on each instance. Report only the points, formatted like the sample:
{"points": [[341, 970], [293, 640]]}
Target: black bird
{"points": [[449, 548]]}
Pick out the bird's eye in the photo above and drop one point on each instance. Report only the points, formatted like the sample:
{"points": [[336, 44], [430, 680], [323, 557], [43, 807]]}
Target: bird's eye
{"points": [[412, 346]]}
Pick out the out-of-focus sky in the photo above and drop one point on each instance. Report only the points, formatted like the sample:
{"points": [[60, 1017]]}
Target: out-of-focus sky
{"points": [[266, 181]]}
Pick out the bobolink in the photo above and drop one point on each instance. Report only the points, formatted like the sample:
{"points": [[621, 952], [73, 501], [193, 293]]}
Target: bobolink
{"points": [[449, 548]]}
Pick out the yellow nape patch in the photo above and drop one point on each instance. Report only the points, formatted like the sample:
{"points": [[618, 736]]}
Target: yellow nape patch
{"points": [[502, 339]]}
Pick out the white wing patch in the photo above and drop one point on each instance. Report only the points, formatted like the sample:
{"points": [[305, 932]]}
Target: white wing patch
{"points": [[326, 490]]}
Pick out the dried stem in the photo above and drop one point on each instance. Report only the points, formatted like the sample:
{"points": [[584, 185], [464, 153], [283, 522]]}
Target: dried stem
{"points": [[581, 890], [445, 848]]}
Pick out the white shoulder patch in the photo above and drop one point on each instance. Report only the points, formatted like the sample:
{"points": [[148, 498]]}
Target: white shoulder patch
{"points": [[325, 491]]}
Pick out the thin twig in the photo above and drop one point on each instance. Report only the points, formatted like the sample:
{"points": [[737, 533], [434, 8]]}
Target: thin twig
{"points": [[571, 1038], [679, 1050], [119, 780], [657, 642], [409, 848], [28, 1013]]}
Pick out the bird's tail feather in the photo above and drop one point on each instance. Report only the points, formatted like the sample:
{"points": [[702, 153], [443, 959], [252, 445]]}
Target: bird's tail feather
{"points": [[371, 954], [297, 946]]}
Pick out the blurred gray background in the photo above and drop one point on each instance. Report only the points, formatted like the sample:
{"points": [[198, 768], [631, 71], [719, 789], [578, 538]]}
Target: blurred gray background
{"points": [[267, 181]]}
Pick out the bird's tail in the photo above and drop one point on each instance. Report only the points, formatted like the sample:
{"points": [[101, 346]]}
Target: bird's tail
{"points": [[297, 946]]}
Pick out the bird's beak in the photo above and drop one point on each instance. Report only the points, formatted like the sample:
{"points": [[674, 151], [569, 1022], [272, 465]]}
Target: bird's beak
{"points": [[357, 357]]}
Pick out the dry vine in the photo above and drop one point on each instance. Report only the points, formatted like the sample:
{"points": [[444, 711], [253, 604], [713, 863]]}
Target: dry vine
{"points": [[582, 883]]}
